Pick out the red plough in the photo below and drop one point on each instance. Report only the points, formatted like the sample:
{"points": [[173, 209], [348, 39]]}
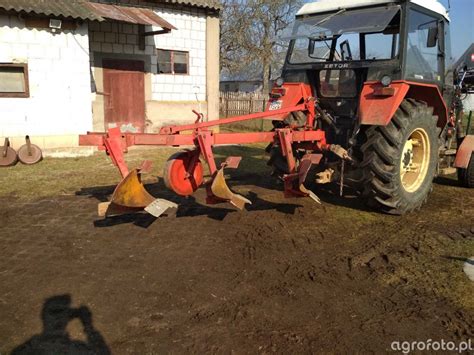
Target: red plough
{"points": [[184, 172]]}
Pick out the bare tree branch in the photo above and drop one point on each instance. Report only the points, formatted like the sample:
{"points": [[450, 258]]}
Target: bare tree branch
{"points": [[249, 35]]}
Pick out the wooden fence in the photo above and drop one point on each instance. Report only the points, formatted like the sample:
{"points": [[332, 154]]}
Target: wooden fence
{"points": [[241, 103]]}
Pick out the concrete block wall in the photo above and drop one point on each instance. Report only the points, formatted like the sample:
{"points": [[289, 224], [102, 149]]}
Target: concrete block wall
{"points": [[59, 82], [120, 38], [170, 99], [190, 36], [63, 102], [117, 38]]}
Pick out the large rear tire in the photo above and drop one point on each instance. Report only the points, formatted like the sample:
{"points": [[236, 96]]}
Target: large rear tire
{"points": [[400, 159], [466, 176]]}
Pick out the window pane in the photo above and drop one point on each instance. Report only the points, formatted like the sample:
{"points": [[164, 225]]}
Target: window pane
{"points": [[366, 20], [164, 56], [12, 80], [422, 62], [300, 53], [322, 49], [164, 61], [352, 47], [180, 68], [379, 46], [180, 62], [181, 57], [164, 68], [338, 83]]}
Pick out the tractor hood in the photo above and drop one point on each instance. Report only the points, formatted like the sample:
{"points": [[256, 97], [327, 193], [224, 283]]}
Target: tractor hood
{"points": [[323, 6]]}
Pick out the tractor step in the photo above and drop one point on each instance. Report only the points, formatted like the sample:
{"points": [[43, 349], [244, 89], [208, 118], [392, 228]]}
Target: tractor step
{"points": [[447, 171], [449, 152]]}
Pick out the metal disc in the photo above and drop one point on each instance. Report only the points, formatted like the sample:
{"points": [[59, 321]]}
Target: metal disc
{"points": [[35, 157], [176, 174], [469, 268], [10, 159]]}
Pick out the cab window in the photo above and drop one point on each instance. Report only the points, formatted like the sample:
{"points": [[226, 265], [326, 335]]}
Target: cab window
{"points": [[422, 47], [338, 83]]}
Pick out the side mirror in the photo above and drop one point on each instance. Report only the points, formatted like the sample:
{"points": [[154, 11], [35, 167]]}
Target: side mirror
{"points": [[311, 46], [432, 37], [346, 53]]}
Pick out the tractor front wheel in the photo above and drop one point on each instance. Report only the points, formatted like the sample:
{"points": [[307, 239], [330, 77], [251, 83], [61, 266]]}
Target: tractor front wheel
{"points": [[400, 159]]}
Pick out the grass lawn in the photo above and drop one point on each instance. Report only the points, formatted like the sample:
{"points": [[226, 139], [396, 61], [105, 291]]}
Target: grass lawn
{"points": [[66, 176]]}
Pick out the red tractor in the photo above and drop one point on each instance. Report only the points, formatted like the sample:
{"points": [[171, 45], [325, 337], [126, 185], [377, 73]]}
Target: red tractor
{"points": [[366, 95]]}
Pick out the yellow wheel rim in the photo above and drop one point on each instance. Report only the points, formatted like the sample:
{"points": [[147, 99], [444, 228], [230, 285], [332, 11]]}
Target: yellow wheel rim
{"points": [[415, 160]]}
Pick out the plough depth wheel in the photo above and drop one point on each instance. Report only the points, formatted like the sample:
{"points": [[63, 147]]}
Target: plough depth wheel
{"points": [[8, 155], [183, 173], [30, 155]]}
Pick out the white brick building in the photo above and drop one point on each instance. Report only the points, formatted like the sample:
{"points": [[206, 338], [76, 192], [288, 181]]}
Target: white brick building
{"points": [[103, 69]]}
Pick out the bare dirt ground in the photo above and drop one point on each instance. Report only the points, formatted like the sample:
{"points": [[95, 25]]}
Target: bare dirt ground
{"points": [[286, 276]]}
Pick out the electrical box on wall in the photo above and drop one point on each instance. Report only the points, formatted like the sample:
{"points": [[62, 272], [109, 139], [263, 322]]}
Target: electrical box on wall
{"points": [[55, 24], [49, 23]]}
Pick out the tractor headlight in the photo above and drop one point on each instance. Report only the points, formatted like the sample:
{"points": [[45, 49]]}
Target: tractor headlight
{"points": [[279, 82], [386, 80]]}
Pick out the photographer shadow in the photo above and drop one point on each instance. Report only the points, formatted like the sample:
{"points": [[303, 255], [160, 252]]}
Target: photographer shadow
{"points": [[55, 339]]}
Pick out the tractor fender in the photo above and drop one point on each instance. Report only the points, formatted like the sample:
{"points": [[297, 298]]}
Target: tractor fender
{"points": [[463, 156], [378, 104]]}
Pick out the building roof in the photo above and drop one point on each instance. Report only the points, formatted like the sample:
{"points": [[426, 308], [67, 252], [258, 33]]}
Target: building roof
{"points": [[208, 4], [136, 15], [466, 59], [76, 9], [81, 9], [331, 5], [85, 10]]}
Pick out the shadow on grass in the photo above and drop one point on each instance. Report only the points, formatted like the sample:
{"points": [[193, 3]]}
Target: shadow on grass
{"points": [[253, 171], [259, 204], [458, 258], [191, 208], [330, 194], [187, 207], [100, 193], [141, 220]]}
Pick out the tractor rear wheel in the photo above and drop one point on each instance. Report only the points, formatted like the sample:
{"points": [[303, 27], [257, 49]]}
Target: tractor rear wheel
{"points": [[400, 159], [466, 176]]}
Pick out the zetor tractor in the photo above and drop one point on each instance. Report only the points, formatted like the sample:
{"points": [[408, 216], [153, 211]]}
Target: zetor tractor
{"points": [[366, 96], [381, 73]]}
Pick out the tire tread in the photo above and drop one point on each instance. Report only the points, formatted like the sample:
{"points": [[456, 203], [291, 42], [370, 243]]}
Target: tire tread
{"points": [[382, 191]]}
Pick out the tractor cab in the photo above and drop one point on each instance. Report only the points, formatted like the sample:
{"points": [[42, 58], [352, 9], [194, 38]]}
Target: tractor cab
{"points": [[338, 46]]}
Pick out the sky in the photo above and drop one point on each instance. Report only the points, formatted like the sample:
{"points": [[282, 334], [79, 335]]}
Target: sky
{"points": [[462, 25]]}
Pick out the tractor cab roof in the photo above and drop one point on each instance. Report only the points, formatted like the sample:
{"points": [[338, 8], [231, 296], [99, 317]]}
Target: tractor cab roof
{"points": [[322, 6]]}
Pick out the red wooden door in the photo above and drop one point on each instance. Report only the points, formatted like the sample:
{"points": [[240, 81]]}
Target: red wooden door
{"points": [[124, 94]]}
